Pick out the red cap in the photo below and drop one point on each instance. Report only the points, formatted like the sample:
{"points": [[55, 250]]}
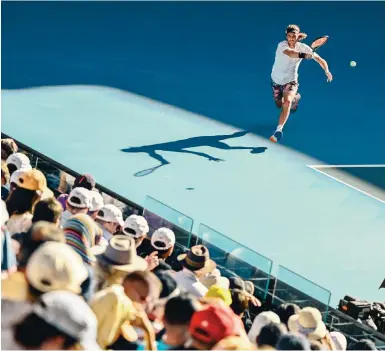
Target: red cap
{"points": [[214, 323]]}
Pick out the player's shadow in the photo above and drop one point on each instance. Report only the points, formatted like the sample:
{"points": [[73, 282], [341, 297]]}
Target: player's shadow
{"points": [[180, 146]]}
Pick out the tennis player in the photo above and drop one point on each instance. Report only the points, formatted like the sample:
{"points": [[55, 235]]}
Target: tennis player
{"points": [[284, 76]]}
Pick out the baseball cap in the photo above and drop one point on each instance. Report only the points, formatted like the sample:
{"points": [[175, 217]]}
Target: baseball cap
{"points": [[85, 181], [80, 198], [111, 213], [214, 323], [70, 314], [56, 266], [135, 226], [34, 180], [260, 321], [19, 160], [221, 293], [97, 201], [163, 239]]}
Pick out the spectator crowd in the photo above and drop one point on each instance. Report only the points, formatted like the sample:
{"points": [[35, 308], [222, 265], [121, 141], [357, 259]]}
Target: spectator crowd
{"points": [[77, 275]]}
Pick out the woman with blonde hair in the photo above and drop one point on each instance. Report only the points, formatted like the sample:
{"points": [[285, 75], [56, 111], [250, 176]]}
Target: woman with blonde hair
{"points": [[284, 75]]}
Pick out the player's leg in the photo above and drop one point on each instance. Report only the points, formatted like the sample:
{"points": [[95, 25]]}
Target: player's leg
{"points": [[289, 94], [277, 94]]}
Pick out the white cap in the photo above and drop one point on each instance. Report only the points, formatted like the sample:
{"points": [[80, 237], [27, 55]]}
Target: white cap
{"points": [[70, 314], [110, 213], [19, 160], [135, 226], [80, 198], [260, 321], [97, 201], [56, 266], [165, 236]]}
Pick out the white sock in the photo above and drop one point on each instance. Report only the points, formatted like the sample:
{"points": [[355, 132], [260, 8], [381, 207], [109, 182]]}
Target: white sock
{"points": [[279, 128]]}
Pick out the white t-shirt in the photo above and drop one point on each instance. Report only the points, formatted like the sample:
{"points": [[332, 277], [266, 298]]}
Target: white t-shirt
{"points": [[285, 69]]}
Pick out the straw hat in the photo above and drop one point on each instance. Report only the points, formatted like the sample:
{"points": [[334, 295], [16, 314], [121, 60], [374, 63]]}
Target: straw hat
{"points": [[309, 323]]}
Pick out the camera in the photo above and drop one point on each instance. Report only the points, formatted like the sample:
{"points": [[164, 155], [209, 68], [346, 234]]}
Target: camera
{"points": [[371, 314]]}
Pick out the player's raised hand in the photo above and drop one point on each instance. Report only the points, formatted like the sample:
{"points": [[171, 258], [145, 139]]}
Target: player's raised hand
{"points": [[329, 75]]}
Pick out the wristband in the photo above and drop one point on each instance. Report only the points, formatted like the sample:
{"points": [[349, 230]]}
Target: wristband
{"points": [[302, 55]]}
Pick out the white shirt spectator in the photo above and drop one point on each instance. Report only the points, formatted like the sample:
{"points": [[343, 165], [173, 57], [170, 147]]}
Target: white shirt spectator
{"points": [[285, 69], [188, 281]]}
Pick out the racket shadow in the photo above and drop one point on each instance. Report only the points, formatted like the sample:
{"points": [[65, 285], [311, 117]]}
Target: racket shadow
{"points": [[147, 171]]}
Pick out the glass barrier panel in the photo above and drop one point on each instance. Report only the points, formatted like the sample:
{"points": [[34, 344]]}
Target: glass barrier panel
{"points": [[160, 215], [235, 259], [291, 287]]}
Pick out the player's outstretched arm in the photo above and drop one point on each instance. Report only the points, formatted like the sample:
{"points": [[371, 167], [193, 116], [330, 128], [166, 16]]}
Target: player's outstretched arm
{"points": [[295, 54], [324, 65]]}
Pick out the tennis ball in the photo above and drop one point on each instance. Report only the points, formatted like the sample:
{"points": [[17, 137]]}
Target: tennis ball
{"points": [[353, 63]]}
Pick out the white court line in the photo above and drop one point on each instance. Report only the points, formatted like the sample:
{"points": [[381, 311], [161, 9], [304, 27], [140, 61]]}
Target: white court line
{"points": [[351, 186], [348, 166]]}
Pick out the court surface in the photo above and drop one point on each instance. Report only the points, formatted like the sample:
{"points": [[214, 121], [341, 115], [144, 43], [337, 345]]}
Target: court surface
{"points": [[144, 85]]}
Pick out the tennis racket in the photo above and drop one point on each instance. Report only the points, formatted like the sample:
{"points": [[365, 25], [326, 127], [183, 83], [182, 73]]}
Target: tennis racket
{"points": [[320, 41]]}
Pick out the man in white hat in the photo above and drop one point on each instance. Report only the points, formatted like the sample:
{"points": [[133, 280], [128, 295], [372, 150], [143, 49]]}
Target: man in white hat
{"points": [[109, 219]]}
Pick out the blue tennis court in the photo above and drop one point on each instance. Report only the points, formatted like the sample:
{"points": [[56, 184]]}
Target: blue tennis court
{"points": [[172, 100]]}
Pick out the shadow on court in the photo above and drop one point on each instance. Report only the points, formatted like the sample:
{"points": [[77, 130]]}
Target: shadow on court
{"points": [[180, 146]]}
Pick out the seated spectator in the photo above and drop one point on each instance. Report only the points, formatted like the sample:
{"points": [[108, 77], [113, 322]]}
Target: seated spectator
{"points": [[240, 306], [291, 341], [97, 204], [116, 260], [31, 188], [47, 210], [219, 292], [169, 289], [176, 320], [339, 340], [86, 181], [269, 336], [5, 178], [18, 161], [40, 233], [79, 231], [259, 322], [54, 266], [59, 321], [8, 147], [136, 227], [212, 324], [163, 243], [79, 201], [286, 310], [109, 219], [116, 327], [234, 343], [240, 302], [142, 287], [195, 263], [309, 323]]}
